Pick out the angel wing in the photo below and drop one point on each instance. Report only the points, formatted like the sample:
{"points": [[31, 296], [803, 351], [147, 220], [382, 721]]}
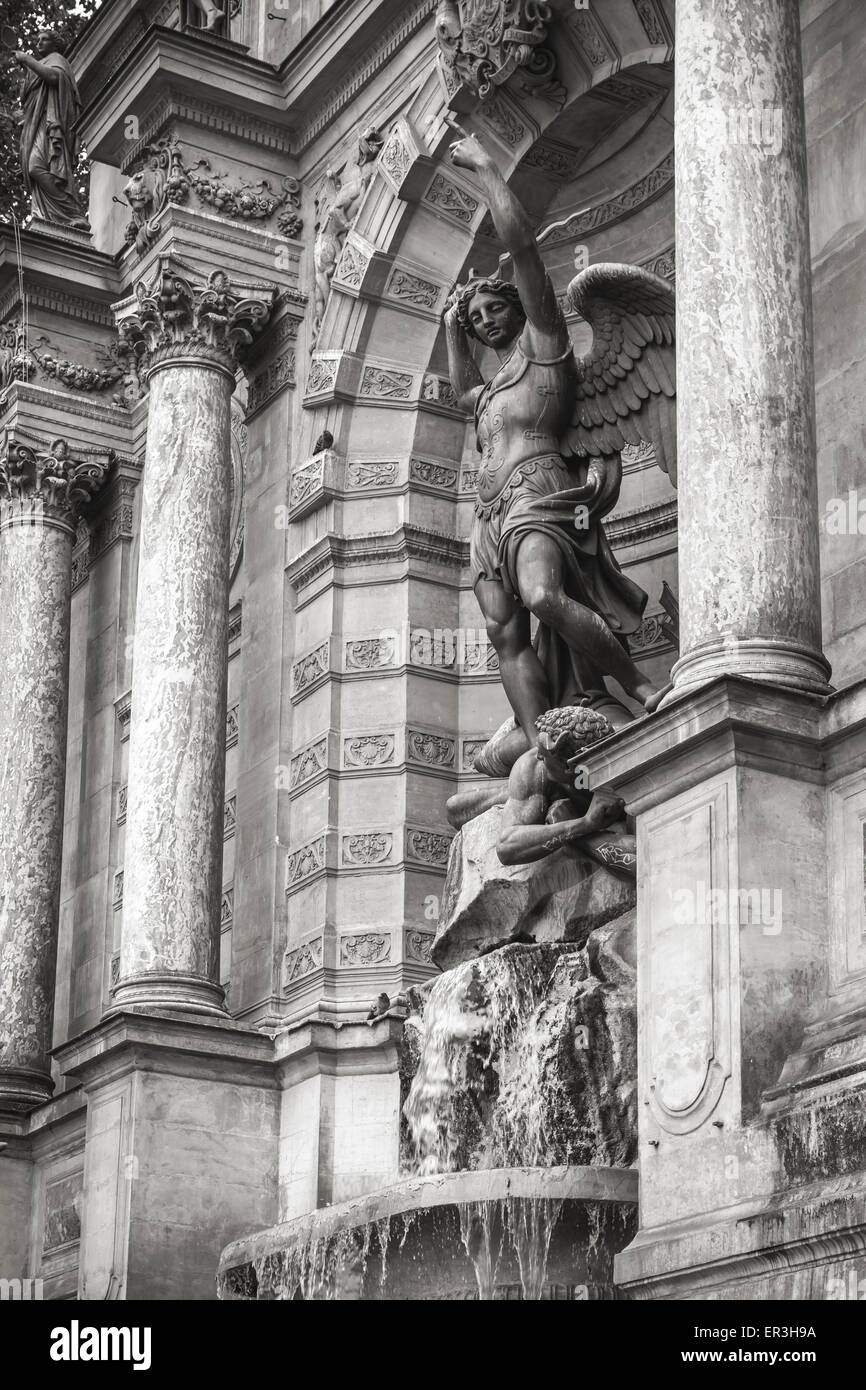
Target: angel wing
{"points": [[626, 388]]}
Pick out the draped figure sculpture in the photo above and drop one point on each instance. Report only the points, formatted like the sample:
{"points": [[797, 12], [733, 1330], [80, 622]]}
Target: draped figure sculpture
{"points": [[550, 428], [51, 107]]}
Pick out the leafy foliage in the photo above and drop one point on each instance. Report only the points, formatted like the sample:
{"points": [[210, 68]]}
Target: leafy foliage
{"points": [[67, 17]]}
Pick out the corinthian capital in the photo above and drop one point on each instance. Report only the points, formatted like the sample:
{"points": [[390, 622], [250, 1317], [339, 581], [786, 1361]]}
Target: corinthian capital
{"points": [[180, 315], [45, 482]]}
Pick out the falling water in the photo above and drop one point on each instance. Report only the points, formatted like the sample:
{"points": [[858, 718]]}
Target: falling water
{"points": [[481, 1095]]}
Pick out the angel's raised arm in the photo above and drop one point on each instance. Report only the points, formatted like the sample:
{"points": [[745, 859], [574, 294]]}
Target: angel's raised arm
{"points": [[517, 236]]}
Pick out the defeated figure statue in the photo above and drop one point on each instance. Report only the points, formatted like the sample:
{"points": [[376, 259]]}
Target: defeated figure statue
{"points": [[545, 804], [551, 428]]}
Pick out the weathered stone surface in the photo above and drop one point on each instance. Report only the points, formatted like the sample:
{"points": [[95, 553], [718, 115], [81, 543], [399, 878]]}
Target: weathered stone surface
{"points": [[173, 870], [514, 1233], [41, 491], [748, 505], [486, 904], [528, 1056]]}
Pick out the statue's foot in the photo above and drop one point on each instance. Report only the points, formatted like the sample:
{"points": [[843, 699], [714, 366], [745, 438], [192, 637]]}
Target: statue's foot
{"points": [[655, 700], [215, 16]]}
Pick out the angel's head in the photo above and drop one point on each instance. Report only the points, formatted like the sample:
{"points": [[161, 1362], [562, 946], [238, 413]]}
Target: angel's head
{"points": [[491, 311]]}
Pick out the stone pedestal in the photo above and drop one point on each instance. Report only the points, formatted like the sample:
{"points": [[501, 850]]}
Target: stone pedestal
{"points": [[42, 492], [173, 872], [160, 1198], [727, 788], [748, 514]]}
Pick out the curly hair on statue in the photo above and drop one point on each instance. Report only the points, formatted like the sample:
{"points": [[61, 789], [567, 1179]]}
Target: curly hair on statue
{"points": [[464, 295], [574, 728]]}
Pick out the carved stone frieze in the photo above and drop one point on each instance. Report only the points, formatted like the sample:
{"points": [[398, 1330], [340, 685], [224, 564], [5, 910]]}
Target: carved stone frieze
{"points": [[370, 653], [227, 907], [594, 44], [303, 960], [435, 475], [654, 21], [322, 376], [365, 948], [310, 670], [419, 946], [163, 178], [309, 763], [584, 223], [304, 862], [271, 380], [470, 749], [232, 725], [437, 390], [432, 750], [365, 849], [230, 816], [453, 201], [364, 475], [412, 289], [428, 847], [363, 751], [181, 316], [386, 384]]}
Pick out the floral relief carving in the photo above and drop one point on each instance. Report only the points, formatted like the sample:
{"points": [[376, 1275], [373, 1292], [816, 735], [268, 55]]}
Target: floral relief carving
{"points": [[366, 948]]}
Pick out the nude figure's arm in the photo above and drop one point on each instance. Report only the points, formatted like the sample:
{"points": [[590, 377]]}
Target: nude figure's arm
{"points": [[526, 837], [466, 379], [517, 236]]}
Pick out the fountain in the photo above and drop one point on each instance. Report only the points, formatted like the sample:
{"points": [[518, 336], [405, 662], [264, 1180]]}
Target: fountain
{"points": [[518, 1136]]}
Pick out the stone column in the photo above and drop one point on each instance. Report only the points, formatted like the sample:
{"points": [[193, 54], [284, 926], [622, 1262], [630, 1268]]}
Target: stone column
{"points": [[174, 837], [748, 510], [42, 493]]}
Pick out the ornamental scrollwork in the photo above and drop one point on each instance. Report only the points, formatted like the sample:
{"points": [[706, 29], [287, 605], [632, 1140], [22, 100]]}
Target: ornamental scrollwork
{"points": [[482, 43]]}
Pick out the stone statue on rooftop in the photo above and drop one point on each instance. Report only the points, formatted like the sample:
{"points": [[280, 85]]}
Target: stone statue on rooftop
{"points": [[550, 428], [50, 107]]}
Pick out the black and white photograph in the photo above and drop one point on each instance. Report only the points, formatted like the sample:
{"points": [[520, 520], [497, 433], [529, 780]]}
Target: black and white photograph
{"points": [[433, 669]]}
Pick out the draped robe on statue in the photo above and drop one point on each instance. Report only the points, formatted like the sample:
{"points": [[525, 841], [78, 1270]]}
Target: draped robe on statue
{"points": [[49, 143]]}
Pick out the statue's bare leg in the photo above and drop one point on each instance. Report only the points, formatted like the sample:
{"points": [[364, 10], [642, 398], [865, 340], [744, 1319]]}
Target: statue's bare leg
{"points": [[522, 674], [540, 579], [213, 14]]}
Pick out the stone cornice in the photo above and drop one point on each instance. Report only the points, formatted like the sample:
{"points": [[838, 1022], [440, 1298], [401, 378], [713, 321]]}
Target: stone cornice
{"points": [[309, 66], [643, 524], [396, 547], [209, 115]]}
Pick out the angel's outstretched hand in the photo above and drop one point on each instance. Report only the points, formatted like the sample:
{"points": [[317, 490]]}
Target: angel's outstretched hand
{"points": [[469, 153]]}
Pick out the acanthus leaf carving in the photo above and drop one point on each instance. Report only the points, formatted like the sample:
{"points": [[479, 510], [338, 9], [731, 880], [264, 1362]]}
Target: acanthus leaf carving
{"points": [[47, 480], [179, 315]]}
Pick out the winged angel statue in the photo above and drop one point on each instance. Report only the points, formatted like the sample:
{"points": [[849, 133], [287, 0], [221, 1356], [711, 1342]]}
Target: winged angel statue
{"points": [[550, 428]]}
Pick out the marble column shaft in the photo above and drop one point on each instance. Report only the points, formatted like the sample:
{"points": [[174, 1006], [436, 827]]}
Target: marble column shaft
{"points": [[174, 839], [173, 870], [748, 511], [39, 512]]}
